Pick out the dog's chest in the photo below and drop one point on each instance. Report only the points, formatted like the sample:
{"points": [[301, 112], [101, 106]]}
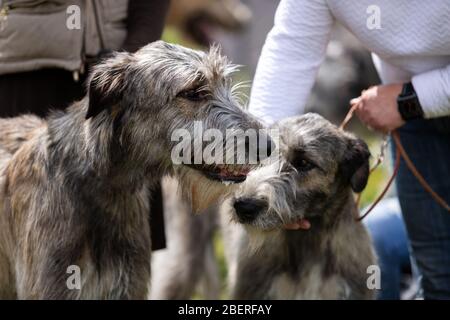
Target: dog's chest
{"points": [[311, 284], [113, 273], [116, 253], [111, 283], [98, 285]]}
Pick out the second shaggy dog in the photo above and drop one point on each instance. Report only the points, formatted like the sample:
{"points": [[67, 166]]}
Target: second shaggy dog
{"points": [[320, 167]]}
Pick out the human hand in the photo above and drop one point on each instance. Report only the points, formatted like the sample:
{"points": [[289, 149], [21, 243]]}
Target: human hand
{"points": [[377, 107]]}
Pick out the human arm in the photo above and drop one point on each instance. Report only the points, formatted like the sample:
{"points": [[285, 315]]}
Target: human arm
{"points": [[377, 107], [290, 59], [145, 22], [433, 91]]}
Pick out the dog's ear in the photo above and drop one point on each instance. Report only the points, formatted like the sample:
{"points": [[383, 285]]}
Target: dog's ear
{"points": [[355, 165], [107, 83]]}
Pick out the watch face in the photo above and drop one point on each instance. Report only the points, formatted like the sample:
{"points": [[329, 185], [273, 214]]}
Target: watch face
{"points": [[409, 107], [408, 103], [406, 97]]}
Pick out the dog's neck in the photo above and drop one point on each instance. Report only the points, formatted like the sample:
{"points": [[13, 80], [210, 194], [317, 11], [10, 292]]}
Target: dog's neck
{"points": [[90, 150], [315, 242]]}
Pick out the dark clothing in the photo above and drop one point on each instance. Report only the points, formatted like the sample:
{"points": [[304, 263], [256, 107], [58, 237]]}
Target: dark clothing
{"points": [[145, 22], [427, 142], [40, 91]]}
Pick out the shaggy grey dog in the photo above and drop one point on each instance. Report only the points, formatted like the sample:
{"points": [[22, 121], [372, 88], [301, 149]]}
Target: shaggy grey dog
{"points": [[319, 169], [73, 189]]}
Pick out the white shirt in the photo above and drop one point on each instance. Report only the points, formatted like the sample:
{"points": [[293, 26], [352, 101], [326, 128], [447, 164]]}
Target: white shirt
{"points": [[412, 44]]}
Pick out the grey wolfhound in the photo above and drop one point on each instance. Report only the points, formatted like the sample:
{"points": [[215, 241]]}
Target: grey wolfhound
{"points": [[74, 188], [320, 166]]}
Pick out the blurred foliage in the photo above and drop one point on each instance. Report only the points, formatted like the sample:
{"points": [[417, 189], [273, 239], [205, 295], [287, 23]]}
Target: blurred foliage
{"points": [[378, 178], [173, 35], [220, 255]]}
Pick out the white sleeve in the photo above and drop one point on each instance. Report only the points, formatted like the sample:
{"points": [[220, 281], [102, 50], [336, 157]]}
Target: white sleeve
{"points": [[433, 91], [290, 59]]}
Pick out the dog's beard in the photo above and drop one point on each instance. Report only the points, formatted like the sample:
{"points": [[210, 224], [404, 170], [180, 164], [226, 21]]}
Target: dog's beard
{"points": [[200, 191], [258, 238]]}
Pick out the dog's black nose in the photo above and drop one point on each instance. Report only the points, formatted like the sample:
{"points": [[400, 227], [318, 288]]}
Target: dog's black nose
{"points": [[248, 209], [265, 147]]}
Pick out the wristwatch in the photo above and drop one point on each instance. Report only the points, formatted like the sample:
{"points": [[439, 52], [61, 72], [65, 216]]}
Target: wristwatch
{"points": [[408, 104]]}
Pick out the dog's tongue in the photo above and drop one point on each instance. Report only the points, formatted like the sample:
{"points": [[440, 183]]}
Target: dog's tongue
{"points": [[302, 224]]}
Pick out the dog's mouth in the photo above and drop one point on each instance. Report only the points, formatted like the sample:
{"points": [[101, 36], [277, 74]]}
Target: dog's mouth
{"points": [[224, 173]]}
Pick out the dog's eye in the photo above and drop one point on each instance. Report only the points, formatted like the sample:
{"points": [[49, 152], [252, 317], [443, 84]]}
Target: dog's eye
{"points": [[302, 164], [193, 94]]}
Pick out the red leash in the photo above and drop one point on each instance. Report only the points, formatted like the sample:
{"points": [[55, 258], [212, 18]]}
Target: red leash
{"points": [[383, 193]]}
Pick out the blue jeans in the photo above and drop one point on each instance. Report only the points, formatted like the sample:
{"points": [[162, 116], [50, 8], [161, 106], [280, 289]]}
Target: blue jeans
{"points": [[388, 233], [427, 142]]}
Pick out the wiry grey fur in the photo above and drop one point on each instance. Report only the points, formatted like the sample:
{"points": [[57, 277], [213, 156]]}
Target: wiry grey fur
{"points": [[330, 260], [74, 188]]}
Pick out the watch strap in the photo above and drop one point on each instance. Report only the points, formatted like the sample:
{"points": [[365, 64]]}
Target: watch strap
{"points": [[408, 103]]}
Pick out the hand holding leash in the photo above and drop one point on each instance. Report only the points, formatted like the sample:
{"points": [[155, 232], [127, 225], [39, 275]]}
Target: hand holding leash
{"points": [[399, 153]]}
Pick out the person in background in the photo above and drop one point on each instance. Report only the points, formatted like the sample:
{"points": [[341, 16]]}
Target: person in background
{"points": [[411, 51], [45, 55]]}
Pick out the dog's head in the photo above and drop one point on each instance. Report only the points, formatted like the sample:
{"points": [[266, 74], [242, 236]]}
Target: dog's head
{"points": [[172, 105], [319, 165]]}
